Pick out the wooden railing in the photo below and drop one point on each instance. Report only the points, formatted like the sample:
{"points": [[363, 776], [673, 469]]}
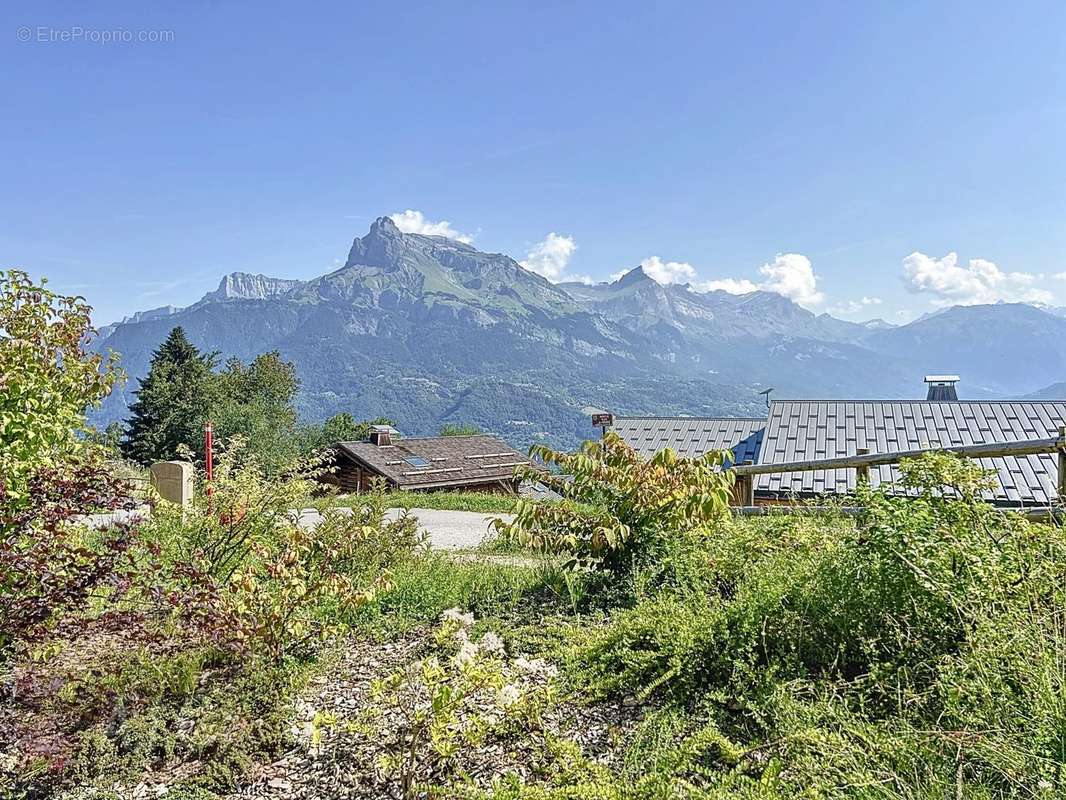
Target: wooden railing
{"points": [[862, 461]]}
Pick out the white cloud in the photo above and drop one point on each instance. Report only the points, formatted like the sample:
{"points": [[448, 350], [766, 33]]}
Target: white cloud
{"points": [[550, 257], [668, 271], [731, 285], [789, 274], [854, 306], [1059, 276], [411, 221], [979, 281]]}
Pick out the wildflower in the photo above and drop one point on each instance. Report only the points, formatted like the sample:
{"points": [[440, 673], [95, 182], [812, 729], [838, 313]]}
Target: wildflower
{"points": [[535, 666], [492, 645], [467, 653], [457, 616], [509, 695]]}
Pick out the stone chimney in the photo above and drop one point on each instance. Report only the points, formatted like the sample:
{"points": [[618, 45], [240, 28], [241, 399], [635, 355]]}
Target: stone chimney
{"points": [[381, 436], [941, 387]]}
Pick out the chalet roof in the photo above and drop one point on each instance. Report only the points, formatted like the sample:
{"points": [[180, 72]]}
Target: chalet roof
{"points": [[799, 430], [693, 436], [437, 461]]}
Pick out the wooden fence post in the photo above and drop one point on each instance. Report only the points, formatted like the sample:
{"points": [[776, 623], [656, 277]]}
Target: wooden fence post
{"points": [[1062, 465], [862, 472], [746, 488]]}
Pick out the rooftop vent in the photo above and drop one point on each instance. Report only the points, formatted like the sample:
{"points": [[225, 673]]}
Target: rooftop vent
{"points": [[381, 435], [941, 387]]}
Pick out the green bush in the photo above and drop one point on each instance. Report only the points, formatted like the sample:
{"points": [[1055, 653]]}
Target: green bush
{"points": [[914, 652], [248, 568], [620, 512], [48, 378], [241, 712]]}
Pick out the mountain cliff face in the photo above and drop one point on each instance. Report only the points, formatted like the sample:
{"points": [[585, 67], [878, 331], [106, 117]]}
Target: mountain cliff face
{"points": [[242, 286], [428, 330]]}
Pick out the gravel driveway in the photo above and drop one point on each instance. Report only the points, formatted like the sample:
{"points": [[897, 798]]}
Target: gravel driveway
{"points": [[448, 530], [453, 530]]}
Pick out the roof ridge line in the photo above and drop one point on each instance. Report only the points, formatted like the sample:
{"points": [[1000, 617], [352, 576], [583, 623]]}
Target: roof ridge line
{"points": [[457, 436], [909, 400], [742, 419]]}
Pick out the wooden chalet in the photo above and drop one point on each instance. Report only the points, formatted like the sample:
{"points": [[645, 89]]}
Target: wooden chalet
{"points": [[432, 463]]}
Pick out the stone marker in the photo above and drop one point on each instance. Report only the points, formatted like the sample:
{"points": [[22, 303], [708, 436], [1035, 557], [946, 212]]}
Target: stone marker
{"points": [[173, 481]]}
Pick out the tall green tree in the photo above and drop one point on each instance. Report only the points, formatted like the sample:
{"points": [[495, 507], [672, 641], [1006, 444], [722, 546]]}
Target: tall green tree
{"points": [[342, 427], [172, 402], [459, 429], [255, 401]]}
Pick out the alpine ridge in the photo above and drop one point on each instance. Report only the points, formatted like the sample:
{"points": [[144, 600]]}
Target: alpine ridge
{"points": [[428, 330]]}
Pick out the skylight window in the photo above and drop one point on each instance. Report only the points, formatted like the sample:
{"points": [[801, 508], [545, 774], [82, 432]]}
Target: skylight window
{"points": [[416, 461]]}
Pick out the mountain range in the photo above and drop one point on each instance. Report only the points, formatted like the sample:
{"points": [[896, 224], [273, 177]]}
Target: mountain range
{"points": [[428, 330]]}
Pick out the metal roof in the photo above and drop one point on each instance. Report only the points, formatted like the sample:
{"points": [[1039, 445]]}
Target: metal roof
{"points": [[437, 461], [808, 429], [693, 436]]}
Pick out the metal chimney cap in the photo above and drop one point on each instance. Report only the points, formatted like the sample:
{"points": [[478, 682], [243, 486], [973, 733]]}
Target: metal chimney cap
{"points": [[942, 379]]}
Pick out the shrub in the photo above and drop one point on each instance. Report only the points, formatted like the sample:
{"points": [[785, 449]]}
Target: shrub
{"points": [[47, 379], [257, 566], [620, 510], [124, 711], [48, 474], [916, 651], [48, 565], [454, 698]]}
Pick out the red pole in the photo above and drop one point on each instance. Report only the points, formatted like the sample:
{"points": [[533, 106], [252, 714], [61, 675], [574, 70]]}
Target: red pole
{"points": [[208, 446]]}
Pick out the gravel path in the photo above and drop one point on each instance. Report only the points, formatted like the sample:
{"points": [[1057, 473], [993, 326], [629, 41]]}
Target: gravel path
{"points": [[453, 530], [448, 530], [346, 762]]}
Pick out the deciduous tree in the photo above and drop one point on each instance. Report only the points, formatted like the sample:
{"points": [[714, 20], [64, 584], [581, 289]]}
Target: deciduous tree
{"points": [[48, 378]]}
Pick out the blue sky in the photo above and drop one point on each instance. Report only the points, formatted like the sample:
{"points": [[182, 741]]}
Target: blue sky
{"points": [[830, 151]]}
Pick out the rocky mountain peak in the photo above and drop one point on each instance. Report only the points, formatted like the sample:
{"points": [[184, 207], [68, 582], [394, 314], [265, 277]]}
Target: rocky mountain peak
{"points": [[634, 277], [382, 246], [246, 286]]}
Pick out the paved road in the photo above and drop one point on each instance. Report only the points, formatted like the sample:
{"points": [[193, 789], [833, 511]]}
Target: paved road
{"points": [[453, 530], [448, 530]]}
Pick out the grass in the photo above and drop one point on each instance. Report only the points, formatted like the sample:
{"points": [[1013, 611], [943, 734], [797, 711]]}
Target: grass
{"points": [[426, 586]]}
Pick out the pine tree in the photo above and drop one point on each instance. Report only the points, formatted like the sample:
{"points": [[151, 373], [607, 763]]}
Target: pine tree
{"points": [[172, 402]]}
